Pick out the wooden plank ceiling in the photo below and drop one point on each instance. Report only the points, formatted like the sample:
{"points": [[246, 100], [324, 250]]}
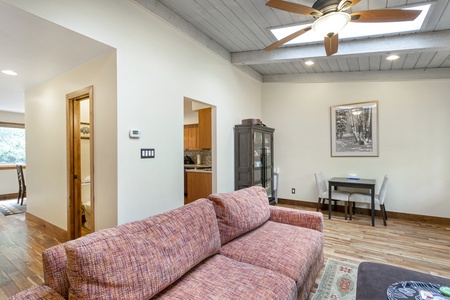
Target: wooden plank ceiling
{"points": [[238, 30]]}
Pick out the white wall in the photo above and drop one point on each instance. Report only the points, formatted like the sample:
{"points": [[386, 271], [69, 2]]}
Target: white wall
{"points": [[414, 139], [157, 67], [8, 178], [46, 141], [12, 117]]}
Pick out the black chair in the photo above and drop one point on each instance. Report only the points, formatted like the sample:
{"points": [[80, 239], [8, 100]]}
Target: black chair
{"points": [[22, 187]]}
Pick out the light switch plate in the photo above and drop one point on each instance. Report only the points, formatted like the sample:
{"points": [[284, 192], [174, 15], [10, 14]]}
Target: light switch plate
{"points": [[147, 153]]}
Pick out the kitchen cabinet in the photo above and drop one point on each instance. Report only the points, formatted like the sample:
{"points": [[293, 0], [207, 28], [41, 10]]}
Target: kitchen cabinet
{"points": [[204, 128], [191, 133], [199, 185], [253, 156], [199, 136]]}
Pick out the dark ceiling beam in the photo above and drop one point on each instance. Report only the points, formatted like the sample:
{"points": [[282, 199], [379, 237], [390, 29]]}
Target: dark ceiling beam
{"points": [[416, 42]]}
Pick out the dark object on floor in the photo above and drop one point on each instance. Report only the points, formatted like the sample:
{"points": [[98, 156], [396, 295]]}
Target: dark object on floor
{"points": [[22, 187], [374, 279]]}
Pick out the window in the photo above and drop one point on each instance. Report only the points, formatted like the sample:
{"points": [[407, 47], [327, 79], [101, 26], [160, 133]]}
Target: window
{"points": [[12, 144]]}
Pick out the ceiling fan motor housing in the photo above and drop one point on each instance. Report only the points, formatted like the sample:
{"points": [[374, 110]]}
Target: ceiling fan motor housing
{"points": [[326, 6]]}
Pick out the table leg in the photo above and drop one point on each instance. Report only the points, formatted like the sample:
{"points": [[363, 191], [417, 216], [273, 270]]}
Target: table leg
{"points": [[329, 200], [372, 205]]}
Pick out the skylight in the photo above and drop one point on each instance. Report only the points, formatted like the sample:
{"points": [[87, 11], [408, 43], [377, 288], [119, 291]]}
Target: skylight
{"points": [[355, 30]]}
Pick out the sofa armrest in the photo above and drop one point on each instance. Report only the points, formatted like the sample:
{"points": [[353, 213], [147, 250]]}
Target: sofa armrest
{"points": [[302, 218], [36, 293]]}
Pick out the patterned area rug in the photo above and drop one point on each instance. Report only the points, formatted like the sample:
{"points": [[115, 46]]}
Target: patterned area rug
{"points": [[338, 281], [10, 207]]}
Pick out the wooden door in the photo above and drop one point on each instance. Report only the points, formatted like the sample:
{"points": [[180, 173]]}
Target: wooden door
{"points": [[74, 175]]}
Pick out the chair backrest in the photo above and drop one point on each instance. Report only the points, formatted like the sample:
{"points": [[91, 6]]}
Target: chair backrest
{"points": [[320, 182], [20, 176], [383, 189]]}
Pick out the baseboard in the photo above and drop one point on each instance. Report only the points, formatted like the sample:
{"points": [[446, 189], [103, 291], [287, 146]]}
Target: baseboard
{"points": [[366, 211], [58, 233], [8, 196]]}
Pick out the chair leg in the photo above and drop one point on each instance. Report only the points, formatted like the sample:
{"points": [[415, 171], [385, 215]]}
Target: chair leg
{"points": [[19, 195], [319, 202], [383, 214], [345, 209], [350, 209]]}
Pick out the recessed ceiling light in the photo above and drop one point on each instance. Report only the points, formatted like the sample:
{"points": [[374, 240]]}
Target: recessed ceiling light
{"points": [[392, 57], [309, 62], [9, 72]]}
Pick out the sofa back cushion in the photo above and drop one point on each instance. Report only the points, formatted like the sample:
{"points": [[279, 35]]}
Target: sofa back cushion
{"points": [[240, 211], [54, 263], [141, 258]]}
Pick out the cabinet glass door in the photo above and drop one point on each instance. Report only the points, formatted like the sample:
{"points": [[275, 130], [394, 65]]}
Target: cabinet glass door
{"points": [[258, 157], [268, 164]]}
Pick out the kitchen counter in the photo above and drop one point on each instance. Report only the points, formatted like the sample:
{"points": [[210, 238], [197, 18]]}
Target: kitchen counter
{"points": [[199, 170], [192, 166]]}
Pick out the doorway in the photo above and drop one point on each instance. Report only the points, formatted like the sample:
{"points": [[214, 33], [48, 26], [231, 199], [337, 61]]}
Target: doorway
{"points": [[80, 163], [200, 167]]}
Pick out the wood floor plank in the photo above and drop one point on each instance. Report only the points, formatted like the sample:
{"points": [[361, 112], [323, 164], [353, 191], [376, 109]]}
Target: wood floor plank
{"points": [[23, 268], [2, 294], [6, 265], [9, 288], [20, 280]]}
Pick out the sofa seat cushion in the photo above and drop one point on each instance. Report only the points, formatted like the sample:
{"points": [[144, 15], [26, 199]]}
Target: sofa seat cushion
{"points": [[139, 259], [240, 211], [220, 278], [286, 249]]}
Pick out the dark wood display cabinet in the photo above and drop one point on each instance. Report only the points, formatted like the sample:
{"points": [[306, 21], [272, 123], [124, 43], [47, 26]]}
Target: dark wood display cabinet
{"points": [[253, 158]]}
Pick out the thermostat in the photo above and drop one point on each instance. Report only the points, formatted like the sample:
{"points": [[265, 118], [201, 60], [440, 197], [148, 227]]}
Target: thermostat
{"points": [[135, 133]]}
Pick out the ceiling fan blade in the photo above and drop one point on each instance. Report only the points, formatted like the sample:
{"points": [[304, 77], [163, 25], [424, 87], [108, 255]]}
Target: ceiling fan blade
{"points": [[293, 7], [331, 44], [386, 15], [346, 4], [288, 38]]}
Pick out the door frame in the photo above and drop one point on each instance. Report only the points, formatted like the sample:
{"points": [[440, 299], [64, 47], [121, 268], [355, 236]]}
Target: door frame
{"points": [[74, 223]]}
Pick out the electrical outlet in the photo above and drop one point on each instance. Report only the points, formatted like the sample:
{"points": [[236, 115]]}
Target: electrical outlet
{"points": [[293, 191]]}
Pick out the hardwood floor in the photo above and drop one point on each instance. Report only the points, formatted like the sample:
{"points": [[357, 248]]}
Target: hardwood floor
{"points": [[21, 246], [418, 246]]}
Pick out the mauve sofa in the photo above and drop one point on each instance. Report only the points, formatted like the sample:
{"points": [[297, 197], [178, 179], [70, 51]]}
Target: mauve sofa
{"points": [[230, 246]]}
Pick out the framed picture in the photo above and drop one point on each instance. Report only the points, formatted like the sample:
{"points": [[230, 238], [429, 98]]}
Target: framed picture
{"points": [[85, 130], [354, 129]]}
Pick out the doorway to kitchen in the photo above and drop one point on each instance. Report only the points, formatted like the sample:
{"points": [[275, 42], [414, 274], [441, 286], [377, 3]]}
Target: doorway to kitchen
{"points": [[199, 150], [80, 154]]}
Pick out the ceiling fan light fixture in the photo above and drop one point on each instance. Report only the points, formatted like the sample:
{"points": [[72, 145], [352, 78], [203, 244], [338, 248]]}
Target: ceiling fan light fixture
{"points": [[331, 23]]}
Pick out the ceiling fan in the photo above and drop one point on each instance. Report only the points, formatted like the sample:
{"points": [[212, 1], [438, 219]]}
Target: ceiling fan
{"points": [[331, 18]]}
